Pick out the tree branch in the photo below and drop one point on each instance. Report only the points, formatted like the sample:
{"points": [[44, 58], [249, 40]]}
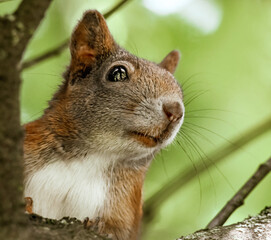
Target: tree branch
{"points": [[253, 228], [115, 8], [66, 229], [54, 52], [58, 50], [239, 197], [181, 179]]}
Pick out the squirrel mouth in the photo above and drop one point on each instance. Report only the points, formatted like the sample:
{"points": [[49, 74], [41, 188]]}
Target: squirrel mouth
{"points": [[152, 141], [147, 140]]}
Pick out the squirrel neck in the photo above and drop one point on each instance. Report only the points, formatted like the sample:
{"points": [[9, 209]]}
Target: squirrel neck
{"points": [[89, 186], [64, 179], [125, 208]]}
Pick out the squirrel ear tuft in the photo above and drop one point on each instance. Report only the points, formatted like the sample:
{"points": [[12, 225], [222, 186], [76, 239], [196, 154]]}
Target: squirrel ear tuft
{"points": [[171, 61], [91, 40]]}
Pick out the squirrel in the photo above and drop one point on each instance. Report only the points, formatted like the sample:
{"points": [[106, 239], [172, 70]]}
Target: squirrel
{"points": [[88, 154]]}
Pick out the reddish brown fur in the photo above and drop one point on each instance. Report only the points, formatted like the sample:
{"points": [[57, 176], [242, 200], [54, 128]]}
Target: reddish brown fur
{"points": [[125, 213], [63, 132], [170, 61], [28, 205], [42, 137], [87, 45]]}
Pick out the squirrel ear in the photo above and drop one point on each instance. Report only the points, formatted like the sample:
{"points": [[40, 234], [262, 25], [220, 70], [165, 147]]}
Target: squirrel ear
{"points": [[171, 61], [90, 41]]}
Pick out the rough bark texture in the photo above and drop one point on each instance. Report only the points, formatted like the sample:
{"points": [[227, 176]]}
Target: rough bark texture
{"points": [[16, 31], [252, 228], [34, 227]]}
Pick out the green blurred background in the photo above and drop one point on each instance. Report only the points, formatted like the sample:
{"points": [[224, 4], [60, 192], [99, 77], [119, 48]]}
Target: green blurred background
{"points": [[226, 55]]}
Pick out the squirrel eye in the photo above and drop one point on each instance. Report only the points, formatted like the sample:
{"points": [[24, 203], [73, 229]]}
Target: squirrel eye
{"points": [[118, 74]]}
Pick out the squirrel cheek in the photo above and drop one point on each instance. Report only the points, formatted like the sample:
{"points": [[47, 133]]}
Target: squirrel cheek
{"points": [[158, 123]]}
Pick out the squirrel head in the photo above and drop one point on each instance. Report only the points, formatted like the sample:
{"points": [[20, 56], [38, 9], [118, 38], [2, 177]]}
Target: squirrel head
{"points": [[113, 101]]}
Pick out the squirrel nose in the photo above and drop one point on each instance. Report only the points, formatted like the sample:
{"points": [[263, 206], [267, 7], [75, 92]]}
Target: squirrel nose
{"points": [[173, 111]]}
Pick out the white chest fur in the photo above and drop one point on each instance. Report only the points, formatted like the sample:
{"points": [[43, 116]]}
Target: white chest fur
{"points": [[73, 188]]}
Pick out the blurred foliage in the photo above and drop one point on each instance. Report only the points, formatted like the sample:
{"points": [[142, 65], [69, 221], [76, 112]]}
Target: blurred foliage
{"points": [[230, 65]]}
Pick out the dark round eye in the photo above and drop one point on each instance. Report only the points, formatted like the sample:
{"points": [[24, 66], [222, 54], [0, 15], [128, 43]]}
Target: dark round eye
{"points": [[117, 74]]}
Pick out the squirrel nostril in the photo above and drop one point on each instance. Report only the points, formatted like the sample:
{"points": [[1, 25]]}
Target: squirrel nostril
{"points": [[173, 111]]}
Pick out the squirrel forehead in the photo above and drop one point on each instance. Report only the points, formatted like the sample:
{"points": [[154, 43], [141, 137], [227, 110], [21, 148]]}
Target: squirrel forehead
{"points": [[145, 78], [141, 66], [143, 74]]}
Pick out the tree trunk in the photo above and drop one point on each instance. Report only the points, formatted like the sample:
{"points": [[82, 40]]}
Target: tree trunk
{"points": [[16, 31]]}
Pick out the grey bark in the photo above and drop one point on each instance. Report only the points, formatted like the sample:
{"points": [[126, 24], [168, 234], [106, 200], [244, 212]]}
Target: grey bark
{"points": [[33, 227], [252, 228], [16, 31]]}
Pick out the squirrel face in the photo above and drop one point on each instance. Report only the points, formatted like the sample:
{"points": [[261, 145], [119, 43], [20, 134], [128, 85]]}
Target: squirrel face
{"points": [[113, 101]]}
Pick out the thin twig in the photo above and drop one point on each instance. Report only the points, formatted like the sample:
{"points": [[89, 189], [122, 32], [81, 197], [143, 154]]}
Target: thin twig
{"points": [[3, 1], [115, 8], [181, 179], [58, 50], [239, 197], [252, 228], [54, 52]]}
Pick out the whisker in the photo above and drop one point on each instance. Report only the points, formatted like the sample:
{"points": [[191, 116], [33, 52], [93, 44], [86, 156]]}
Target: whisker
{"points": [[163, 163], [208, 130], [188, 79], [198, 134], [194, 167], [199, 151], [213, 163], [213, 109], [186, 103], [209, 117]]}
